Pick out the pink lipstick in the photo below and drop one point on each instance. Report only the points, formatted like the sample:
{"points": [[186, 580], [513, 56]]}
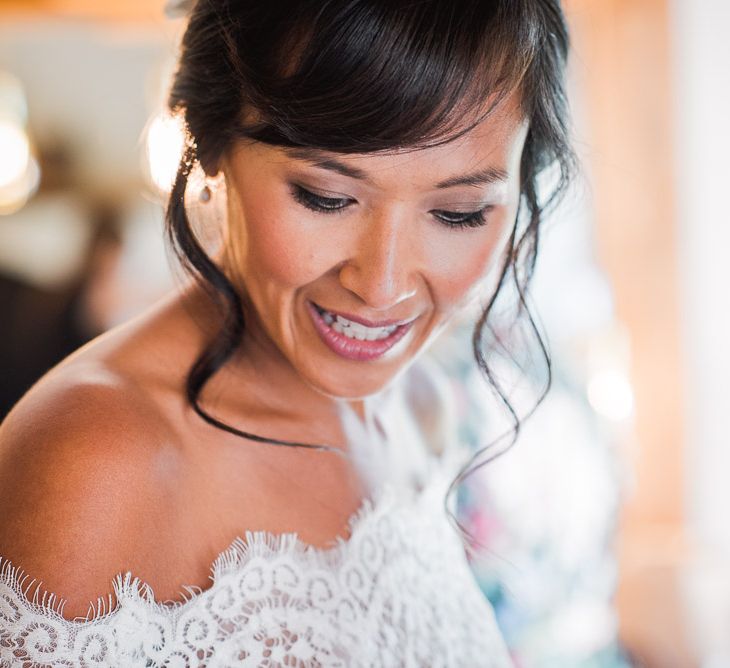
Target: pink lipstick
{"points": [[349, 347]]}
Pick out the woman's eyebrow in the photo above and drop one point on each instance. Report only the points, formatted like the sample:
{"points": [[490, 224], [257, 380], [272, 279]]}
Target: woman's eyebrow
{"points": [[478, 178], [319, 159]]}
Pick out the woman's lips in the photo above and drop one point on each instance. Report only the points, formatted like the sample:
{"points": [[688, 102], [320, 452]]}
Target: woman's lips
{"points": [[355, 349]]}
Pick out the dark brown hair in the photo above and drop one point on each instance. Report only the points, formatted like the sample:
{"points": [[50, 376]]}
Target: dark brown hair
{"points": [[360, 76]]}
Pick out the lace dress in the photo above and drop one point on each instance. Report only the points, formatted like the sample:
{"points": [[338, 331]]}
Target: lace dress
{"points": [[397, 592]]}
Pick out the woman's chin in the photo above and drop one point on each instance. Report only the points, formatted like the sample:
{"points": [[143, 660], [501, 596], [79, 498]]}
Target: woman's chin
{"points": [[351, 387]]}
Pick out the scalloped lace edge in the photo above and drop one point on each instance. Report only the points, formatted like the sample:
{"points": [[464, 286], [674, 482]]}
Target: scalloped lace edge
{"points": [[128, 587], [234, 558]]}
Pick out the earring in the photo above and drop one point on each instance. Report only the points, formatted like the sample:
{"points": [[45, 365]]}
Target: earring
{"points": [[205, 194]]}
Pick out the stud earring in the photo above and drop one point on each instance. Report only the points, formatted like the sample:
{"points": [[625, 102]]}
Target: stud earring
{"points": [[205, 194]]}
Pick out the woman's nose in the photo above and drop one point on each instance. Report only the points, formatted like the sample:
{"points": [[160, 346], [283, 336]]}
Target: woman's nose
{"points": [[382, 269]]}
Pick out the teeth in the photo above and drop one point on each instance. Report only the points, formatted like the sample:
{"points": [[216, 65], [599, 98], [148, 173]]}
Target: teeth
{"points": [[355, 330]]}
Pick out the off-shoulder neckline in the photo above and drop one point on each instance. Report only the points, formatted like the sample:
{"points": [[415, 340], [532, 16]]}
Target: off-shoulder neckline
{"points": [[233, 559]]}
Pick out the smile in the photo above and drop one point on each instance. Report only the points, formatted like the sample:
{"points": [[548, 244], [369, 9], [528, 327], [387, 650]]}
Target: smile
{"points": [[355, 340]]}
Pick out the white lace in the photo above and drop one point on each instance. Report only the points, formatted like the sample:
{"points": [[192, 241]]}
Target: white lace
{"points": [[398, 592]]}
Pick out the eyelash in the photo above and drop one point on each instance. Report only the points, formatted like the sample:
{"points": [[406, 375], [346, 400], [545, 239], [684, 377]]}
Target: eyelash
{"points": [[330, 205]]}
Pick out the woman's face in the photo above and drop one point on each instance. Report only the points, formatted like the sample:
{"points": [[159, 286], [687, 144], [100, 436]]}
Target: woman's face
{"points": [[351, 264]]}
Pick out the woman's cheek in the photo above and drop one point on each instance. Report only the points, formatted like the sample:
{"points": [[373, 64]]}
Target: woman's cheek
{"points": [[474, 269], [282, 249]]}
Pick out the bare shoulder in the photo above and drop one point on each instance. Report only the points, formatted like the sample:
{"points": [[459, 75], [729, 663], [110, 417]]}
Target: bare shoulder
{"points": [[87, 476]]}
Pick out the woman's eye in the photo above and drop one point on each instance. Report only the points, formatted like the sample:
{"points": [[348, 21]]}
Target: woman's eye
{"points": [[322, 204], [465, 219], [318, 203]]}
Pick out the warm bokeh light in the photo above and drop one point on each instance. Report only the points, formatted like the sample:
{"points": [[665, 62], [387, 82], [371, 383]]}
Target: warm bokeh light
{"points": [[20, 174], [610, 395], [19, 171], [14, 153], [165, 141], [14, 196]]}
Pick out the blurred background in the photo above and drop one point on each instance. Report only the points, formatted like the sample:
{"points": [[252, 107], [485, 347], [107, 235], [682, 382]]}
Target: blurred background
{"points": [[607, 522]]}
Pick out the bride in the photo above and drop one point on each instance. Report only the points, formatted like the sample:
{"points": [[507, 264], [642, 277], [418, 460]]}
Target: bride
{"points": [[270, 425]]}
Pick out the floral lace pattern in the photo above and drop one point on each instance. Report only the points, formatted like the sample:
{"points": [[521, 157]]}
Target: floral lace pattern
{"points": [[398, 592]]}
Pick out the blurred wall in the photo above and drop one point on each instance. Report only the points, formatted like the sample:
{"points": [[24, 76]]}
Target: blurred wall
{"points": [[90, 88], [702, 109], [701, 75]]}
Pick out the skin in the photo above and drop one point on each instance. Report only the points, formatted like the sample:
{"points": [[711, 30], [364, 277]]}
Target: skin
{"points": [[386, 255], [104, 466]]}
